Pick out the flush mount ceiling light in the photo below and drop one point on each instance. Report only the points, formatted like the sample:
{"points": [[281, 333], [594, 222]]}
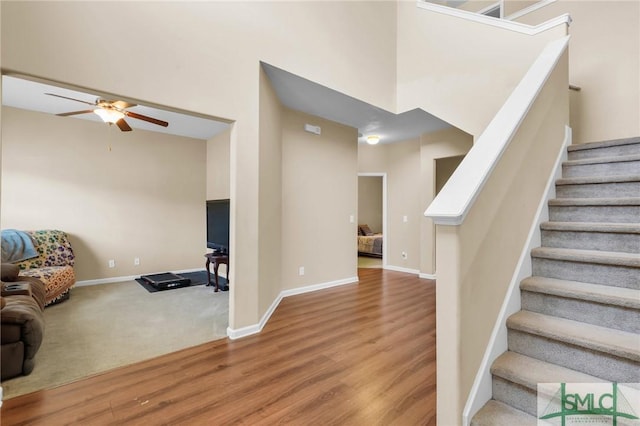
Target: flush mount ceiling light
{"points": [[373, 139], [109, 115]]}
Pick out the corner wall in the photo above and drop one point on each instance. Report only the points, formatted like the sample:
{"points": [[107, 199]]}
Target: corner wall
{"points": [[270, 199], [442, 144]]}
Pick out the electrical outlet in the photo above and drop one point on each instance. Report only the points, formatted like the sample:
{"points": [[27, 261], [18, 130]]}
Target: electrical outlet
{"points": [[404, 255], [136, 261], [301, 271], [112, 263]]}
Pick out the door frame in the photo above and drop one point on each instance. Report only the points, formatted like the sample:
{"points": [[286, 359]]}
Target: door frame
{"points": [[385, 235]]}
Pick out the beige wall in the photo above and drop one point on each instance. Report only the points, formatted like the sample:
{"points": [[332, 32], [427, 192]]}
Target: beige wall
{"points": [[433, 146], [218, 166], [119, 195], [370, 202], [457, 81], [604, 61], [482, 253], [445, 168], [401, 162], [270, 201], [403, 200], [513, 6], [319, 194]]}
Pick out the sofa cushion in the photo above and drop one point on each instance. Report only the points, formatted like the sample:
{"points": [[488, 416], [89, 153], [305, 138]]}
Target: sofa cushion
{"points": [[12, 355], [23, 312], [57, 280]]}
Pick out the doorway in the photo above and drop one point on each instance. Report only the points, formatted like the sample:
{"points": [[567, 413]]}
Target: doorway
{"points": [[372, 223]]}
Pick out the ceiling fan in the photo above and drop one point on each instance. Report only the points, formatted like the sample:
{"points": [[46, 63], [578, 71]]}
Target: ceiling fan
{"points": [[112, 112]]}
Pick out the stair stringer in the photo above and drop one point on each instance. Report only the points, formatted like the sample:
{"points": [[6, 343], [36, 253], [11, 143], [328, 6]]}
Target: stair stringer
{"points": [[481, 390]]}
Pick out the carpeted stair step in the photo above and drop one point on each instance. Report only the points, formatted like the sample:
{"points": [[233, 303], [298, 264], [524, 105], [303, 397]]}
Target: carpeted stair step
{"points": [[516, 378], [626, 146], [612, 355], [612, 210], [602, 166], [599, 187], [621, 237], [613, 307], [589, 266], [496, 413]]}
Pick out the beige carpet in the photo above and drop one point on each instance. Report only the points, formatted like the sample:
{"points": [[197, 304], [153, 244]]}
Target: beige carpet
{"points": [[369, 262], [105, 326]]}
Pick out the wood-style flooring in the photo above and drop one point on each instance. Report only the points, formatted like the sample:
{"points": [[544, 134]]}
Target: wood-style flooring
{"points": [[358, 354]]}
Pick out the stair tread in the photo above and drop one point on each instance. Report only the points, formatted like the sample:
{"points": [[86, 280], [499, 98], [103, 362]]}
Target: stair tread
{"points": [[603, 144], [616, 342], [528, 372], [496, 413], [602, 160], [588, 256], [618, 228], [581, 180], [617, 201], [618, 296]]}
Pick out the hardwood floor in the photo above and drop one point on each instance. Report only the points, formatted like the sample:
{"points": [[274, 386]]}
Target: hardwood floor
{"points": [[359, 354]]}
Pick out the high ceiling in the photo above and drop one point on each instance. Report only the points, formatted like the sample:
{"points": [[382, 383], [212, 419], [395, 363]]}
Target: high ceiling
{"points": [[304, 95], [30, 95], [294, 92]]}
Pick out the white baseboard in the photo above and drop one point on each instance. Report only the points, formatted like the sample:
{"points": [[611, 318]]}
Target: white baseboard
{"points": [[481, 390], [123, 278], [401, 269], [257, 328], [427, 276], [316, 287]]}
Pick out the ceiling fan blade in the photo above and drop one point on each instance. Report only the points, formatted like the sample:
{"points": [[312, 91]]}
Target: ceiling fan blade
{"points": [[66, 114], [122, 104], [145, 118], [71, 99], [123, 125]]}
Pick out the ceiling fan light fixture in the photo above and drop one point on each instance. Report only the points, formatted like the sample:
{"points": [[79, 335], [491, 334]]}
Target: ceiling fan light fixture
{"points": [[109, 115], [373, 139]]}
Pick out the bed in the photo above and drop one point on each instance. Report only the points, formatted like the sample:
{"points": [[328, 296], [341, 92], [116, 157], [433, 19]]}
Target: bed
{"points": [[369, 244]]}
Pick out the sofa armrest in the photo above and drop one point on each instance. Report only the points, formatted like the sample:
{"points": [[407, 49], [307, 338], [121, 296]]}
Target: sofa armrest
{"points": [[9, 272], [23, 312]]}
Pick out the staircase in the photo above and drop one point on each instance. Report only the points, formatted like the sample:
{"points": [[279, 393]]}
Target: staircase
{"points": [[580, 317]]}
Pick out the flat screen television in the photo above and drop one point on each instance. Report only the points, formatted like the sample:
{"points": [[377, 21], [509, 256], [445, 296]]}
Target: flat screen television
{"points": [[218, 225]]}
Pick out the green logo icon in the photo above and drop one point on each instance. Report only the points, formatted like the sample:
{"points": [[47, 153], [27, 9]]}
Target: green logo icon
{"points": [[567, 404]]}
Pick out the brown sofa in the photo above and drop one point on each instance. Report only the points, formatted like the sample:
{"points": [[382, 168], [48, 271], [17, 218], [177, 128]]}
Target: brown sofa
{"points": [[22, 321]]}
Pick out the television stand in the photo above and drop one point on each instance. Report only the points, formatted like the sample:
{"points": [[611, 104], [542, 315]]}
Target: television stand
{"points": [[166, 280], [217, 258]]}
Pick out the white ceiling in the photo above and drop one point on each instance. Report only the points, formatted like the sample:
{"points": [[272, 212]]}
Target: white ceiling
{"points": [[294, 92], [304, 95], [30, 95]]}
